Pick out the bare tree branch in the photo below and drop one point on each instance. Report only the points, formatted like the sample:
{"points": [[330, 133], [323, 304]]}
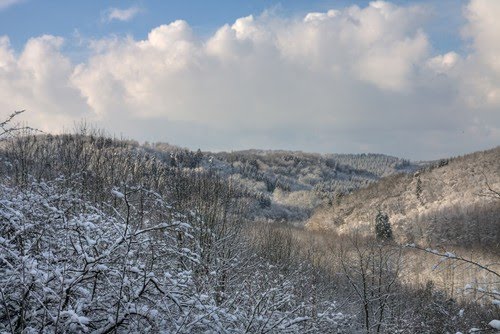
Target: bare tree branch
{"points": [[452, 256]]}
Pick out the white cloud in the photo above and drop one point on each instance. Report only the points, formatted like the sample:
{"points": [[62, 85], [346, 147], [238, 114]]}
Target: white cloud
{"points": [[311, 17], [243, 68], [122, 14], [37, 80], [342, 80], [482, 70], [8, 3], [444, 63]]}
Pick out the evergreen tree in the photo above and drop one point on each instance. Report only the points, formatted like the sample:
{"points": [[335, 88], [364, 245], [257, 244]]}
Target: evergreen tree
{"points": [[418, 190], [383, 229]]}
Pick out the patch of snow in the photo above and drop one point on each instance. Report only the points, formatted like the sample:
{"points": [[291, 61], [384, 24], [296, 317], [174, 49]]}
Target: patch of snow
{"points": [[494, 324], [450, 255], [117, 194]]}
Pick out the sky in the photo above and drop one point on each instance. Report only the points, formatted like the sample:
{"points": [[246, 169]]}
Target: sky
{"points": [[414, 79]]}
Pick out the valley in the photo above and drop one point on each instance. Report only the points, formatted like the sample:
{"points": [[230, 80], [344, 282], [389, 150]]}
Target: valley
{"points": [[247, 241]]}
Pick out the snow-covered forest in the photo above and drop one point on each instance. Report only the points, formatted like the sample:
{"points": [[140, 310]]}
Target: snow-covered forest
{"points": [[100, 235]]}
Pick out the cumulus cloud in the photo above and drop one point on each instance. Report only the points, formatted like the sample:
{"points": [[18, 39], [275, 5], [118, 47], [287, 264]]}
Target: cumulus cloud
{"points": [[251, 68], [38, 80], [349, 79], [444, 63], [483, 66], [121, 14]]}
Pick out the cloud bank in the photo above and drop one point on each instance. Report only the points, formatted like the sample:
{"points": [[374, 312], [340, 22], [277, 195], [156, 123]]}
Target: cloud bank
{"points": [[346, 80]]}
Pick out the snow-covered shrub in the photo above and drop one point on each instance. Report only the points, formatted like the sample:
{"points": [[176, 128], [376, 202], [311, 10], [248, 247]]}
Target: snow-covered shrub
{"points": [[68, 266]]}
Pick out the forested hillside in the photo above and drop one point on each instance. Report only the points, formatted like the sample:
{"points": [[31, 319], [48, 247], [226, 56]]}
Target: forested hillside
{"points": [[289, 185], [101, 235], [449, 207], [449, 203]]}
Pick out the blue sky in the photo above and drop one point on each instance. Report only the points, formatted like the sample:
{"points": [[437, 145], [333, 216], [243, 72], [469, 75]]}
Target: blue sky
{"points": [[72, 19], [416, 79]]}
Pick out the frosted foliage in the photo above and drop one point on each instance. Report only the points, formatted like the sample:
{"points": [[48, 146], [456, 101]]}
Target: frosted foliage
{"points": [[67, 265]]}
